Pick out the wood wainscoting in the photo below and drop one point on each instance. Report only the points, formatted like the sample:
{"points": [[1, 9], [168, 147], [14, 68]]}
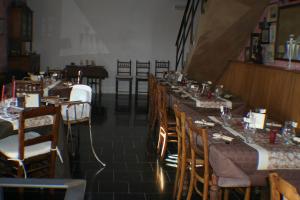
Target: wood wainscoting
{"points": [[260, 86]]}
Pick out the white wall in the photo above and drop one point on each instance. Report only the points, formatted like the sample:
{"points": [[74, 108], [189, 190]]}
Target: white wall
{"points": [[104, 30]]}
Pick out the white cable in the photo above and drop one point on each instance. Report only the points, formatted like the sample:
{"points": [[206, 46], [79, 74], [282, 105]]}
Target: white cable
{"points": [[21, 164], [58, 153], [93, 150]]}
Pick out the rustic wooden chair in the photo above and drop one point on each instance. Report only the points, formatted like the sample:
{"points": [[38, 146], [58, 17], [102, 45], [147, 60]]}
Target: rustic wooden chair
{"points": [[182, 163], [167, 129], [282, 189], [29, 87], [27, 151], [142, 71], [78, 110], [200, 168], [161, 67], [152, 114], [124, 74]]}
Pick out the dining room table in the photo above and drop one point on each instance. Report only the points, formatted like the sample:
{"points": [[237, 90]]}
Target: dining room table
{"points": [[235, 162]]}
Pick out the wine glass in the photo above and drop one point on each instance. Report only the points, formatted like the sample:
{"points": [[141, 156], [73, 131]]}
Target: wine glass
{"points": [[249, 128], [225, 115], [218, 91], [288, 132]]}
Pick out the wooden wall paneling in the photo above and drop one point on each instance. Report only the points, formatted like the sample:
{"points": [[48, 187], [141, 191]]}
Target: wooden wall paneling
{"points": [[272, 88], [293, 106]]}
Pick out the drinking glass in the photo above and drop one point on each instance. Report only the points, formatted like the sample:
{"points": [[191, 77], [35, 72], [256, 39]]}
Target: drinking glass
{"points": [[288, 132], [225, 115], [249, 128], [218, 91]]}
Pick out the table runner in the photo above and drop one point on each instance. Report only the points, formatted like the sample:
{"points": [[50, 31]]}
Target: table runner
{"points": [[201, 101], [49, 87], [270, 156], [30, 123]]}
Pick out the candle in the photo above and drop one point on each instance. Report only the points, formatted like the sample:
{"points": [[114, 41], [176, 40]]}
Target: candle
{"points": [[79, 74], [3, 92], [13, 89]]}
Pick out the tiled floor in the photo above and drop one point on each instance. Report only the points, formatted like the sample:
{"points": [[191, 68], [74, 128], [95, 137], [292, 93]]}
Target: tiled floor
{"points": [[121, 139]]}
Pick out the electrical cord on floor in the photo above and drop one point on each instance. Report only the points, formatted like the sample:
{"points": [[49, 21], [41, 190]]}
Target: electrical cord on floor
{"points": [[92, 146]]}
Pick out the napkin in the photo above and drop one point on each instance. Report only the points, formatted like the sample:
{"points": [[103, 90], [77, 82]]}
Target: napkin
{"points": [[203, 122], [296, 139], [223, 137]]}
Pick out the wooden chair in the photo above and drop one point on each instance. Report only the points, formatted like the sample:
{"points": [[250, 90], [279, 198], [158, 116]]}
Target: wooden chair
{"points": [[182, 163], [124, 74], [142, 72], [199, 164], [152, 114], [282, 189], [26, 150], [200, 168], [161, 67], [167, 130], [29, 87], [78, 110]]}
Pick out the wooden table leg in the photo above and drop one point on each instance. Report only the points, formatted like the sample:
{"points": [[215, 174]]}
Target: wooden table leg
{"points": [[214, 188]]}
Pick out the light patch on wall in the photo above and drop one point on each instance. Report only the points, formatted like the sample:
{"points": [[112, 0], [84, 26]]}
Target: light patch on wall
{"points": [[78, 33]]}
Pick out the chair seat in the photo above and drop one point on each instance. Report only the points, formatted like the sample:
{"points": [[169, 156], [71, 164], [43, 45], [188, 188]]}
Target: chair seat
{"points": [[123, 77], [9, 146], [82, 112], [142, 77]]}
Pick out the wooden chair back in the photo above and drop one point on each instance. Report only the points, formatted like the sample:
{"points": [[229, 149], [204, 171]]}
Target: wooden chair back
{"points": [[281, 188], [47, 135], [162, 105], [142, 69], [199, 152], [161, 67], [27, 86], [123, 68]]}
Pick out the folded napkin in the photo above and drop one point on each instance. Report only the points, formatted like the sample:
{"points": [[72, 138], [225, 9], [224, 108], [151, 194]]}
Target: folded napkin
{"points": [[204, 123], [223, 137], [296, 139], [273, 124]]}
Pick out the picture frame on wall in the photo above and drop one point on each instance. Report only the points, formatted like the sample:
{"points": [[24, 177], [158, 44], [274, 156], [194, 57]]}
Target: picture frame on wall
{"points": [[272, 12], [255, 48], [247, 56], [268, 53], [272, 32]]}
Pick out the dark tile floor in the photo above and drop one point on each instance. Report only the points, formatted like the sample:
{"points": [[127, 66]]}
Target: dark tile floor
{"points": [[121, 139]]}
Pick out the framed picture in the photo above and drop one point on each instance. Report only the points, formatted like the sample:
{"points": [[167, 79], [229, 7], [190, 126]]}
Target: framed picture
{"points": [[254, 46], [272, 33], [247, 52], [272, 13], [268, 53]]}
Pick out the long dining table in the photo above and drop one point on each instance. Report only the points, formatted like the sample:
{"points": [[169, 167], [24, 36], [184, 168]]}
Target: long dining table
{"points": [[237, 163]]}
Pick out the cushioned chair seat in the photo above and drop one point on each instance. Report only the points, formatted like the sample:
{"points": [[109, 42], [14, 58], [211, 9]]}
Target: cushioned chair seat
{"points": [[9, 146]]}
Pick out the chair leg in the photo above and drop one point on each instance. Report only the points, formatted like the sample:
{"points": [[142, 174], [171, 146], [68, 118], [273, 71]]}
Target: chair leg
{"points": [[247, 193], [159, 143], [52, 164], [182, 176], [226, 194], [191, 185], [70, 134], [164, 147]]}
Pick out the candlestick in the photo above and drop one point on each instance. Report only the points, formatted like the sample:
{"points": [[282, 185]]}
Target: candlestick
{"points": [[14, 89], [3, 92]]}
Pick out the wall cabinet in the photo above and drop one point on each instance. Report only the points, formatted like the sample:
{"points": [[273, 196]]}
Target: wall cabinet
{"points": [[20, 24]]}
